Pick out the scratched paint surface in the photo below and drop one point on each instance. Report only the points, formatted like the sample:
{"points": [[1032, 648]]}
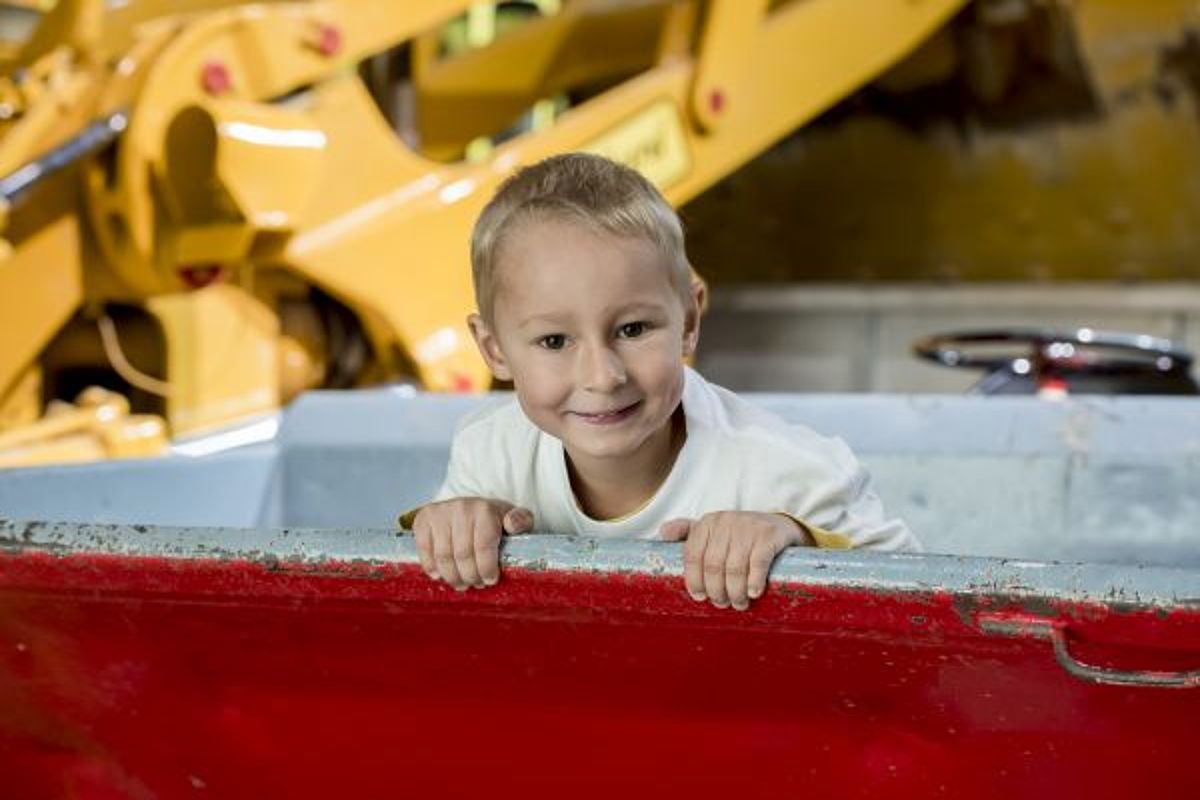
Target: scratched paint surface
{"points": [[225, 676]]}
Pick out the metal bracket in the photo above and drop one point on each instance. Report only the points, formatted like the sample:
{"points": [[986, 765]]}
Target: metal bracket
{"points": [[1055, 631]]}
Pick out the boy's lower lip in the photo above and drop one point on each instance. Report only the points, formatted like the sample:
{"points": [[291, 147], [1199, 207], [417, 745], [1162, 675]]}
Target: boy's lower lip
{"points": [[610, 418]]}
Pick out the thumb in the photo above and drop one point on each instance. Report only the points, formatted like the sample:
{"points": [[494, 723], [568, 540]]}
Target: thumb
{"points": [[518, 520], [675, 530]]}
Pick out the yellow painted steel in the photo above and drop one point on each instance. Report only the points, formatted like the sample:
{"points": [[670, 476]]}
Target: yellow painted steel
{"points": [[41, 286], [227, 340], [731, 30], [312, 156], [22, 404], [653, 141], [98, 426]]}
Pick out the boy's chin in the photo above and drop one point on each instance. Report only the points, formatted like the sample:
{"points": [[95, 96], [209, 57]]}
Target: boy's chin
{"points": [[606, 444], [589, 447]]}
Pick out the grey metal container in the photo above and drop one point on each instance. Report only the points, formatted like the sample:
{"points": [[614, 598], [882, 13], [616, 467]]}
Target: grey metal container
{"points": [[1113, 480]]}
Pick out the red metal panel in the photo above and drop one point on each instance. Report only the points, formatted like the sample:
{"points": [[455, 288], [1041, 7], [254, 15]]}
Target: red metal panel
{"points": [[149, 677]]}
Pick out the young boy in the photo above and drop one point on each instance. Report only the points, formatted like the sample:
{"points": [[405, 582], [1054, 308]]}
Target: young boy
{"points": [[588, 305]]}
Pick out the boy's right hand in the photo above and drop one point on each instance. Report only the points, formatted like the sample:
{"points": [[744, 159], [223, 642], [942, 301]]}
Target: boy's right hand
{"points": [[459, 540]]}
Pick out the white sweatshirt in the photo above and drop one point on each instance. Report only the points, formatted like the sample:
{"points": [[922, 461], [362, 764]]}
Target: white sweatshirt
{"points": [[737, 457]]}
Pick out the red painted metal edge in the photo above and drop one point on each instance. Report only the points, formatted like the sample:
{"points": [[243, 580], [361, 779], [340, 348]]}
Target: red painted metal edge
{"points": [[156, 677]]}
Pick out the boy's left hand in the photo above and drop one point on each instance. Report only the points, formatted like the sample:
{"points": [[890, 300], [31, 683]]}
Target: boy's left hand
{"points": [[729, 553]]}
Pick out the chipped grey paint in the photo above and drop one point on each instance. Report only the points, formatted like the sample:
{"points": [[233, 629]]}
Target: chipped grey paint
{"points": [[1142, 586]]}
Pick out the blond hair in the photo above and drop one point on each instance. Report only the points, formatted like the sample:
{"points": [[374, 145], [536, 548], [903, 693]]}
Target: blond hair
{"points": [[603, 195]]}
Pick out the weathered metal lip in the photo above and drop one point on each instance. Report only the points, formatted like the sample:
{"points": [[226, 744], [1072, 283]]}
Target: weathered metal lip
{"points": [[1132, 585]]}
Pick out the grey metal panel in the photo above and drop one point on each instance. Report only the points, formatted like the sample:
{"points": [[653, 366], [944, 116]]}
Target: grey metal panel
{"points": [[1002, 425], [233, 489], [980, 504], [869, 423], [376, 418], [367, 486], [1109, 479], [360, 458]]}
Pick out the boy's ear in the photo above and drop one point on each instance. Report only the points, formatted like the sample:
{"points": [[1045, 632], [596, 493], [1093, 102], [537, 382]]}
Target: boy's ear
{"points": [[697, 300], [489, 347]]}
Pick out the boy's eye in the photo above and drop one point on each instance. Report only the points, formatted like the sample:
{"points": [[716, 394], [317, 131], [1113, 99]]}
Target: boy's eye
{"points": [[631, 330], [555, 341]]}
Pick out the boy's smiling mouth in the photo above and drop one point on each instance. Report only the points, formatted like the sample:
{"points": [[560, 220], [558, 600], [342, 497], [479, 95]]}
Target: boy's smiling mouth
{"points": [[609, 417]]}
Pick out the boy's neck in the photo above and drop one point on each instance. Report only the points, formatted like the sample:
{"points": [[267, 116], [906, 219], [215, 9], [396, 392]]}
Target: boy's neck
{"points": [[611, 488]]}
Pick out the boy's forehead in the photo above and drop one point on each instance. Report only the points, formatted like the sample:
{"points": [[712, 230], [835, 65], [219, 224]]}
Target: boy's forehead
{"points": [[543, 262], [552, 231], [551, 247]]}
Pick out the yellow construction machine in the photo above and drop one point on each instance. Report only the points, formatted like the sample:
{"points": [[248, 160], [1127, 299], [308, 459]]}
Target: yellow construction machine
{"points": [[209, 207]]}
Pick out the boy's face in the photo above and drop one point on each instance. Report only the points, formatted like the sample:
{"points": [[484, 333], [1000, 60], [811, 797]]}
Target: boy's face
{"points": [[592, 333]]}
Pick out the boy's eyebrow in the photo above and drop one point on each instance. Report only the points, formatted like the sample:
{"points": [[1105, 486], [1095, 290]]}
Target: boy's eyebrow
{"points": [[563, 318], [639, 306], [556, 319]]}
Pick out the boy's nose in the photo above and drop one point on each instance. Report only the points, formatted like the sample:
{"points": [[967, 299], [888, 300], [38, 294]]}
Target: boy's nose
{"points": [[603, 370]]}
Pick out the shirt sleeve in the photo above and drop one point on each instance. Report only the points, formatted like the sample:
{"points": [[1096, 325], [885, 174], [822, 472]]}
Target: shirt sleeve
{"points": [[825, 540], [463, 478], [842, 508]]}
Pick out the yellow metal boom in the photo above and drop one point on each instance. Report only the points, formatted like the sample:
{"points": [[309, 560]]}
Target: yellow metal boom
{"points": [[213, 206]]}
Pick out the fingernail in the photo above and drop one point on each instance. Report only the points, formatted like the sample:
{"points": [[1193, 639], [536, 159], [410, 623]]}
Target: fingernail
{"points": [[697, 596], [741, 606], [721, 603], [755, 593], [490, 581], [461, 588]]}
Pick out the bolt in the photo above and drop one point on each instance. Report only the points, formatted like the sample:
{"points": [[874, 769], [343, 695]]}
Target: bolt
{"points": [[214, 77], [329, 39]]}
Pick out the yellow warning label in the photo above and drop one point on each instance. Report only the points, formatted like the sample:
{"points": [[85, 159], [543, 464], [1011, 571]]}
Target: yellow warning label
{"points": [[652, 142]]}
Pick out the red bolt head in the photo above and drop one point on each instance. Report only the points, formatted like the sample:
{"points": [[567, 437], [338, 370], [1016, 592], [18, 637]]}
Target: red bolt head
{"points": [[329, 39], [197, 276], [716, 101], [215, 79]]}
